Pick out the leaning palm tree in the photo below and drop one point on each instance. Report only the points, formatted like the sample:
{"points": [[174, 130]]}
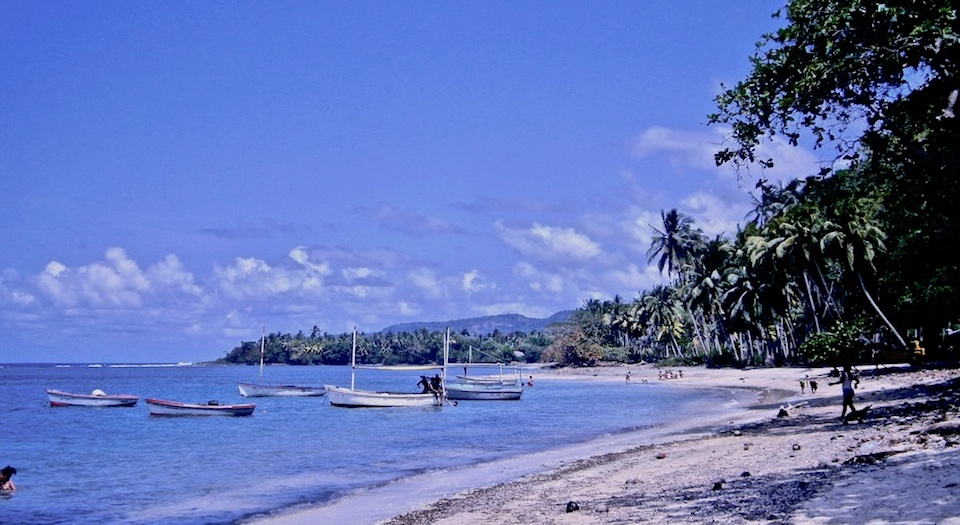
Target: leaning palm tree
{"points": [[855, 242]]}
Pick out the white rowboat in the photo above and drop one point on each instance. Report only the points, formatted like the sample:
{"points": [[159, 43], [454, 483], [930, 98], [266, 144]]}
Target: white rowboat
{"points": [[480, 392], [96, 399], [265, 390], [161, 407], [493, 387], [262, 389], [354, 398]]}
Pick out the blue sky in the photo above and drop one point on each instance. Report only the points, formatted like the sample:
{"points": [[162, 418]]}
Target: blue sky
{"points": [[175, 175]]}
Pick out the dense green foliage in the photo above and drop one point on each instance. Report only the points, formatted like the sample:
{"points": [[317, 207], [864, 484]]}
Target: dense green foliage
{"points": [[418, 347]]}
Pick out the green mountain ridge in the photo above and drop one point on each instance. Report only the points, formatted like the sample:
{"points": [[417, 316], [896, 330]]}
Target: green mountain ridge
{"points": [[505, 323]]}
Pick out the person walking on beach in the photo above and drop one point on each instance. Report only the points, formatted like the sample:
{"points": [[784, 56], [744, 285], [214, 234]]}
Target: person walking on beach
{"points": [[628, 377], [846, 382], [6, 483]]}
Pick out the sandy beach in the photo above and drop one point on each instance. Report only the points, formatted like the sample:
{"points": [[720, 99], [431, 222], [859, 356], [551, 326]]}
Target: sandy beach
{"points": [[785, 458]]}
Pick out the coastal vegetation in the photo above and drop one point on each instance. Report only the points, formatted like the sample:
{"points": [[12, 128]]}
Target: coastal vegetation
{"points": [[417, 347], [850, 262]]}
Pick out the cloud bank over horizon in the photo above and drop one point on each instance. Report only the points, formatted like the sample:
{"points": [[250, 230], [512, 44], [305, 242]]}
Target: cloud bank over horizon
{"points": [[593, 253]]}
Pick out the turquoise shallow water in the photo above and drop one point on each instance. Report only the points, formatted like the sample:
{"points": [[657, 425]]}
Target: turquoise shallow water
{"points": [[121, 466]]}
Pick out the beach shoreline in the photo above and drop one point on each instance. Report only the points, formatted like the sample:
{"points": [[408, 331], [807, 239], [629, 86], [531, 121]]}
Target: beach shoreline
{"points": [[745, 465]]}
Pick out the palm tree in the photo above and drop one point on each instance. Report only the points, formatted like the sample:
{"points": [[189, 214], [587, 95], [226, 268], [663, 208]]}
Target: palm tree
{"points": [[665, 315], [674, 246], [705, 285]]}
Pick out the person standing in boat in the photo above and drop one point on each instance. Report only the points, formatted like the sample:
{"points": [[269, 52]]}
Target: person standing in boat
{"points": [[436, 384], [425, 384]]}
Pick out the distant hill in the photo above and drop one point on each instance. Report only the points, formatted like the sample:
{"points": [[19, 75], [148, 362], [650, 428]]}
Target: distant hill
{"points": [[506, 323]]}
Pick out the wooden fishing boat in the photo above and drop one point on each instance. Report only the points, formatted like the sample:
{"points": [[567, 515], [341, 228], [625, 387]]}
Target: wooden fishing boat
{"points": [[483, 392], [493, 387], [354, 398], [162, 407], [268, 390], [97, 398], [262, 389]]}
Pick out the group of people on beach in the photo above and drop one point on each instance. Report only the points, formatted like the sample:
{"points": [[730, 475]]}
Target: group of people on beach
{"points": [[6, 479], [670, 374]]}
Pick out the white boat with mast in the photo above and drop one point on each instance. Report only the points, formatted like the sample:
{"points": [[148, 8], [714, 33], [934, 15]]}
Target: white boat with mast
{"points": [[261, 389], [492, 387], [354, 398]]}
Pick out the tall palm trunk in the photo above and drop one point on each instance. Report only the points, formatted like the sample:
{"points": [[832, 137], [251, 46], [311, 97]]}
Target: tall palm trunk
{"points": [[863, 286], [813, 306]]}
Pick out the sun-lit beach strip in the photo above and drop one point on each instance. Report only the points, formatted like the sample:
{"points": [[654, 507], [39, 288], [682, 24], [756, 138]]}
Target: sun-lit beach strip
{"points": [[899, 465]]}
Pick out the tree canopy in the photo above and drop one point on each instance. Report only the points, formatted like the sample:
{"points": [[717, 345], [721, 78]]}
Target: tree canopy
{"points": [[873, 86]]}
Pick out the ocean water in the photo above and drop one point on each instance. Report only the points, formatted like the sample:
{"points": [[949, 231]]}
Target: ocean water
{"points": [[121, 466]]}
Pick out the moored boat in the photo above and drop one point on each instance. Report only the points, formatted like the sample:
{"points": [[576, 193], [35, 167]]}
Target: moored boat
{"points": [[267, 390], [97, 398], [495, 387], [262, 389], [162, 407], [483, 392], [354, 398]]}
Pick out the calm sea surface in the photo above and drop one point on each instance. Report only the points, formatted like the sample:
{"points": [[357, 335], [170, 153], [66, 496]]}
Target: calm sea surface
{"points": [[121, 466]]}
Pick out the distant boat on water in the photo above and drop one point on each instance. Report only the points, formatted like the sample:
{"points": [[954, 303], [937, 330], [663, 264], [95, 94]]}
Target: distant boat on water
{"points": [[162, 407], [97, 398], [261, 389]]}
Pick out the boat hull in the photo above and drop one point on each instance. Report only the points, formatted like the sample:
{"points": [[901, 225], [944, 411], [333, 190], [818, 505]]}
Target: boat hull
{"points": [[469, 392], [161, 407], [68, 399], [264, 390], [351, 398]]}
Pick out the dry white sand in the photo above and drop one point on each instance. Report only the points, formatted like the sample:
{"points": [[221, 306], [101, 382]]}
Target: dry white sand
{"points": [[899, 465]]}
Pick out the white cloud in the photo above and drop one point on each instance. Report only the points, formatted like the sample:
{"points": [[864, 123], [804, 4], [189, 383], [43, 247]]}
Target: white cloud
{"points": [[9, 292], [684, 148], [302, 256], [638, 226], [473, 282], [170, 274], [427, 282], [117, 282], [712, 215], [357, 273], [537, 279], [546, 242], [696, 149]]}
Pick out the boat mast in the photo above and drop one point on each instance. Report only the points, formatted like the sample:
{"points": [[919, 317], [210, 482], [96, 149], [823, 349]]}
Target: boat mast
{"points": [[263, 342], [446, 354], [446, 357], [353, 359]]}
